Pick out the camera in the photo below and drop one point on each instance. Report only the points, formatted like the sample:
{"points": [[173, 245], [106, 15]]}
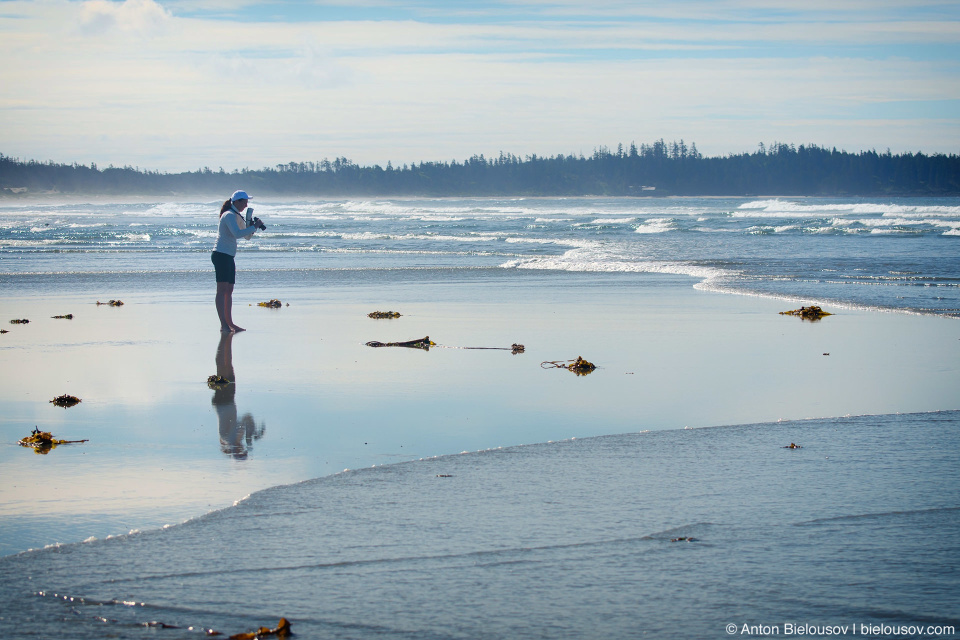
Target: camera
{"points": [[253, 221]]}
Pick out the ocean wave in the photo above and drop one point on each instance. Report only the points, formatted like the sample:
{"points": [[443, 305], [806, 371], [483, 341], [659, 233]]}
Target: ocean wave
{"points": [[373, 235], [434, 218], [791, 208], [880, 515], [600, 258], [206, 209], [656, 225], [613, 220], [428, 209], [41, 242]]}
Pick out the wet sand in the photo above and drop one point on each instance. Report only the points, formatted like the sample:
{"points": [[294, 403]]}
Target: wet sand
{"points": [[311, 399]]}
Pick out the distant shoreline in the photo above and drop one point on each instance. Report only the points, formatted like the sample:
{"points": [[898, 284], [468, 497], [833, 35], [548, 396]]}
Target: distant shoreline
{"points": [[652, 171], [117, 198]]}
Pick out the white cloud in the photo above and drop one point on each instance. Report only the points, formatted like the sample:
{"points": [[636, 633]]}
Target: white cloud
{"points": [[133, 82], [141, 18]]}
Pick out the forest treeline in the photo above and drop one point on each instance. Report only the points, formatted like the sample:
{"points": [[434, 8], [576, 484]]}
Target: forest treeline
{"points": [[658, 169]]}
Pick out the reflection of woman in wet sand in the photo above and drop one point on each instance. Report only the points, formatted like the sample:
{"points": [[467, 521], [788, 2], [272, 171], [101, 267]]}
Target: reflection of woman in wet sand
{"points": [[236, 436]]}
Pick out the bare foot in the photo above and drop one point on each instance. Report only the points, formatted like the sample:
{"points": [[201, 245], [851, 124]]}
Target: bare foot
{"points": [[238, 329]]}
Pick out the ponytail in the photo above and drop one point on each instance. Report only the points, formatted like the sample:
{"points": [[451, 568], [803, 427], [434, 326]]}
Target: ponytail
{"points": [[227, 204]]}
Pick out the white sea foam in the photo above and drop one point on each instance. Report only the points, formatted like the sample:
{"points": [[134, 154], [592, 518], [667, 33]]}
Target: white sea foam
{"points": [[177, 209], [603, 258], [791, 208], [371, 235], [434, 218], [656, 225], [890, 231], [614, 220], [515, 240], [35, 243], [427, 209], [905, 221]]}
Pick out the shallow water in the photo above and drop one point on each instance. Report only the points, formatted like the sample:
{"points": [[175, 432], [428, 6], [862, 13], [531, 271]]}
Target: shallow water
{"points": [[310, 399], [565, 540]]}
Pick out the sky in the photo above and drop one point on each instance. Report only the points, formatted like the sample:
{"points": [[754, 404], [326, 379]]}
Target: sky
{"points": [[176, 85]]}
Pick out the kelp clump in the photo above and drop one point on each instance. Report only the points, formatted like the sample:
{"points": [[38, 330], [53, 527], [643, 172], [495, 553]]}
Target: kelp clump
{"points": [[217, 382], [271, 304], [792, 445], [20, 321], [66, 401], [111, 303], [579, 366], [43, 441], [812, 313], [516, 348], [383, 315], [68, 316], [420, 343], [282, 630]]}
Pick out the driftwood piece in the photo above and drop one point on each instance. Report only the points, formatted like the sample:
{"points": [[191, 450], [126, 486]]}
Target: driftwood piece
{"points": [[420, 343], [515, 348], [43, 441], [381, 315]]}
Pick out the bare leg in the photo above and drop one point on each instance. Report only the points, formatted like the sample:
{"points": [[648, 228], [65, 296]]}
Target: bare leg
{"points": [[224, 291], [228, 310], [224, 302]]}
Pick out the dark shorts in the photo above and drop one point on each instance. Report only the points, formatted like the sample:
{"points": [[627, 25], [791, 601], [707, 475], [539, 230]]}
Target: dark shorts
{"points": [[225, 266]]}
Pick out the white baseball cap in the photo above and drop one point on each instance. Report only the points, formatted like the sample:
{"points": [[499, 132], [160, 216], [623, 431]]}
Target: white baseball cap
{"points": [[239, 195]]}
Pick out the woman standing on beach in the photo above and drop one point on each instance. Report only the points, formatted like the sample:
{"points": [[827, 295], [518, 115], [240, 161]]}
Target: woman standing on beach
{"points": [[232, 226]]}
